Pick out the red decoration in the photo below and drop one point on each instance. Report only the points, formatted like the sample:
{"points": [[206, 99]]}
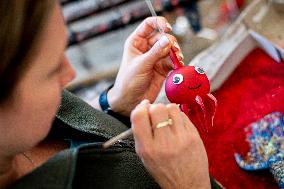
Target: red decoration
{"points": [[255, 89], [189, 87]]}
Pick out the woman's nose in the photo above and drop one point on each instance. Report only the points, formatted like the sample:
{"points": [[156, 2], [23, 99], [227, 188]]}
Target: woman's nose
{"points": [[68, 73]]}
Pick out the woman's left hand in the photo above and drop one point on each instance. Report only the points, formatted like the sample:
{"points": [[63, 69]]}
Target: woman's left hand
{"points": [[145, 65], [169, 146]]}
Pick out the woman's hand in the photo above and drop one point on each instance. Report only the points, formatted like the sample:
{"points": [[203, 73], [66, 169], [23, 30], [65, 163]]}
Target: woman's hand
{"points": [[173, 154], [144, 66]]}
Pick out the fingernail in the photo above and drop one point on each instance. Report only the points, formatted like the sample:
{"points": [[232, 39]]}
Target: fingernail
{"points": [[176, 45], [177, 106], [169, 26], [181, 55], [145, 101], [164, 41], [182, 62]]}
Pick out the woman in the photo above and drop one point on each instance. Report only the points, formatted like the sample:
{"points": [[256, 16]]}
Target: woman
{"points": [[34, 70]]}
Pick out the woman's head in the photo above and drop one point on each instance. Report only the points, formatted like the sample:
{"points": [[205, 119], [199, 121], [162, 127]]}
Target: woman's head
{"points": [[21, 24], [33, 70]]}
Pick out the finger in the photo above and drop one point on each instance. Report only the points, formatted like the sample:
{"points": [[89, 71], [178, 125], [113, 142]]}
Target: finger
{"points": [[176, 116], [177, 50], [158, 51], [159, 114], [144, 102], [141, 125], [178, 53], [180, 56], [154, 38], [174, 45], [164, 66], [151, 24]]}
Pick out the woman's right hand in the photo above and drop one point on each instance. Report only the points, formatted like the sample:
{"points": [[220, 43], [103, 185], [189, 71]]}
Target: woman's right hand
{"points": [[174, 154]]}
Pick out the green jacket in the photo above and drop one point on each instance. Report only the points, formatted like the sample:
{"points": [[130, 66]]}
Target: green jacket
{"points": [[89, 166]]}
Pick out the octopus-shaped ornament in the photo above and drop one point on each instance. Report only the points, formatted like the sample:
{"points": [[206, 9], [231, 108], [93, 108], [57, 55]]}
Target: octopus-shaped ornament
{"points": [[189, 87]]}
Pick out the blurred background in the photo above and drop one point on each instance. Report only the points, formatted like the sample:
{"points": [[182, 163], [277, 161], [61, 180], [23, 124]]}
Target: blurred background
{"points": [[97, 30]]}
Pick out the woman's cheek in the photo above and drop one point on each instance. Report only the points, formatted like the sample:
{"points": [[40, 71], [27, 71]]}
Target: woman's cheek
{"points": [[50, 102]]}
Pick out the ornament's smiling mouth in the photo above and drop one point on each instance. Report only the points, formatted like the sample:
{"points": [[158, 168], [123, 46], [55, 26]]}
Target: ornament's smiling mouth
{"points": [[192, 88]]}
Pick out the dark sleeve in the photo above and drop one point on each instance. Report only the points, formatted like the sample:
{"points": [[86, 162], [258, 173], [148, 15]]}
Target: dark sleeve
{"points": [[77, 120], [124, 119]]}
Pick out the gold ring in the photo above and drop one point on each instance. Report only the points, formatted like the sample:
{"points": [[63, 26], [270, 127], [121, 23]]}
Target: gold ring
{"points": [[164, 123]]}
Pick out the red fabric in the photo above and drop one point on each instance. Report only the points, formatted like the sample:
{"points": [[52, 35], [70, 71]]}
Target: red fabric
{"points": [[255, 89]]}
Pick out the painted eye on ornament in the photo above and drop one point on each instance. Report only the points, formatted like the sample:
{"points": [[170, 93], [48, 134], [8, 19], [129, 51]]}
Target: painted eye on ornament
{"points": [[177, 79], [199, 70]]}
